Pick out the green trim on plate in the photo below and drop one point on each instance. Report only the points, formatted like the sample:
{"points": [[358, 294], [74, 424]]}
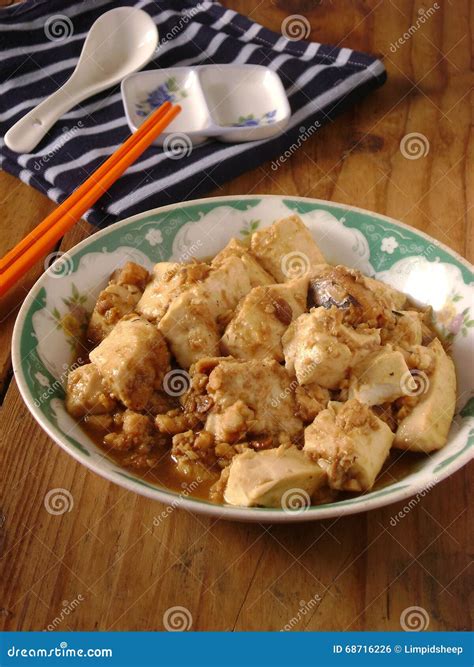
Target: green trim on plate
{"points": [[154, 234], [375, 230]]}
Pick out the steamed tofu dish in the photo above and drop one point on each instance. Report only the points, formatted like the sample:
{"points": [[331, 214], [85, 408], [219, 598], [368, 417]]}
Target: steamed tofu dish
{"points": [[262, 375]]}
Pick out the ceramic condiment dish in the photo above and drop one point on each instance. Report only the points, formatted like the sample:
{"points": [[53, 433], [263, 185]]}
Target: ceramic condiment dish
{"points": [[231, 103]]}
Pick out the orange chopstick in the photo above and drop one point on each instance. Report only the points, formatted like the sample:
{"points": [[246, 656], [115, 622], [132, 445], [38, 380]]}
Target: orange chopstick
{"points": [[75, 206], [77, 195]]}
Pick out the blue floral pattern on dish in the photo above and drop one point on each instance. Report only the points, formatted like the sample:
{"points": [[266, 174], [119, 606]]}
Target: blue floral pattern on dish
{"points": [[168, 91], [252, 121]]}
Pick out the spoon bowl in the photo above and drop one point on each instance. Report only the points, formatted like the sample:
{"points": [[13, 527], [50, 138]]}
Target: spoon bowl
{"points": [[121, 41]]}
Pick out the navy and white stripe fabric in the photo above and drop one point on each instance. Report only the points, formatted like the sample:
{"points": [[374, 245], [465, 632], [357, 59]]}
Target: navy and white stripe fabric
{"points": [[320, 81]]}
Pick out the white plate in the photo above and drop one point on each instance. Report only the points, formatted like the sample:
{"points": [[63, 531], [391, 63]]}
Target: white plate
{"points": [[409, 260]]}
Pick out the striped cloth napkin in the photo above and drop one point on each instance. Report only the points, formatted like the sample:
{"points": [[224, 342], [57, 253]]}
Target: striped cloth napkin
{"points": [[40, 42]]}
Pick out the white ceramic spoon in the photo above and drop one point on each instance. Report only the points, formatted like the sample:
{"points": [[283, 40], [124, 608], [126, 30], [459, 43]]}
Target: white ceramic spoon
{"points": [[120, 42]]}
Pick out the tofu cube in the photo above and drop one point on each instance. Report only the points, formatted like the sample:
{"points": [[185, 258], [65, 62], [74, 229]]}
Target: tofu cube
{"points": [[190, 329], [225, 285], [251, 398], [132, 360], [282, 477], [360, 340], [426, 428], [313, 353], [407, 330], [256, 273], [193, 321], [319, 347], [113, 303], [389, 295], [86, 393], [350, 443], [130, 274], [262, 318], [286, 249], [379, 378], [170, 279]]}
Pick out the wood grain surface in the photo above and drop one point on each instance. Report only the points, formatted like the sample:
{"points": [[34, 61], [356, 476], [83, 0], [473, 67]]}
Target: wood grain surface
{"points": [[105, 565]]}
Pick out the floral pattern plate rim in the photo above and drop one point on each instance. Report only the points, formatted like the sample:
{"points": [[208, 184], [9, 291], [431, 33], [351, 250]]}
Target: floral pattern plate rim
{"points": [[378, 245]]}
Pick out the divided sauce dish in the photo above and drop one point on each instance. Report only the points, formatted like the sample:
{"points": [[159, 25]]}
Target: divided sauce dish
{"points": [[231, 103]]}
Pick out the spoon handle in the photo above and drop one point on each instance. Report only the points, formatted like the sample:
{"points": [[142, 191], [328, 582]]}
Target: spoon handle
{"points": [[26, 134]]}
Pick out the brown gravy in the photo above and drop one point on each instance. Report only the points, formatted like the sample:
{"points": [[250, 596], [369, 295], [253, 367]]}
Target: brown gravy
{"points": [[164, 474]]}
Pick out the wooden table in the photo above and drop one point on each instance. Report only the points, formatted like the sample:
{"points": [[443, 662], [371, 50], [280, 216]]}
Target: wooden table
{"points": [[104, 562]]}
